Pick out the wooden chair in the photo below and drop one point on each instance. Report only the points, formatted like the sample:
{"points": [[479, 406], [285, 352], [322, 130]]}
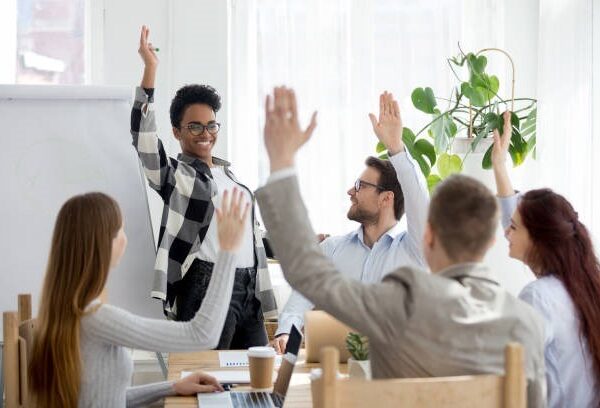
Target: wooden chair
{"points": [[18, 340], [470, 391]]}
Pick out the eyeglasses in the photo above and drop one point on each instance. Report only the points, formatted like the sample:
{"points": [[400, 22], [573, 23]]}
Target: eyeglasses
{"points": [[197, 129], [360, 183]]}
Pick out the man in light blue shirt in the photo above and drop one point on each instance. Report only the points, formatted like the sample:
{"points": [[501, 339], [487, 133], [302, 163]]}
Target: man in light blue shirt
{"points": [[381, 195]]}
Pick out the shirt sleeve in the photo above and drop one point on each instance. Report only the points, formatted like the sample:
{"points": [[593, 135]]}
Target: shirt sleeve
{"points": [[416, 201], [149, 147], [297, 305], [116, 326], [293, 313], [531, 295], [142, 395], [281, 174], [508, 205]]}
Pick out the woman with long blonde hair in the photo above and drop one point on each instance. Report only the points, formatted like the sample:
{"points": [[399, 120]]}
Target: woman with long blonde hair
{"points": [[79, 356]]}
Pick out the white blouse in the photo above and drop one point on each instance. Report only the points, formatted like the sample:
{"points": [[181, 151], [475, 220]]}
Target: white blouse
{"points": [[210, 245]]}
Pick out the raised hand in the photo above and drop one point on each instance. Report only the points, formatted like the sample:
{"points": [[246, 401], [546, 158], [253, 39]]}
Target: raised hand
{"points": [[502, 142], [231, 220], [146, 51], [504, 186], [388, 127], [195, 383], [283, 135]]}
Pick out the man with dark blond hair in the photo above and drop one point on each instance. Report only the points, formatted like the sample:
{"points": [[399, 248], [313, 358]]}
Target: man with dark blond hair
{"points": [[455, 321], [384, 192]]}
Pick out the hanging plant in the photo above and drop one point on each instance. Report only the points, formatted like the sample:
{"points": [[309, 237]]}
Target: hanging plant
{"points": [[473, 111]]}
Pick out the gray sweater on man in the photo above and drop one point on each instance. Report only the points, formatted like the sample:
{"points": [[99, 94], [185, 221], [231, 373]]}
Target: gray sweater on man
{"points": [[456, 322]]}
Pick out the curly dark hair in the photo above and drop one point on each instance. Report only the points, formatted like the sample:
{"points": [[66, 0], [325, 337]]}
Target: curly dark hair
{"points": [[192, 94]]}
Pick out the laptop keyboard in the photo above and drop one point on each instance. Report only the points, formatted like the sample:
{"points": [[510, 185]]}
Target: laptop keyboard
{"points": [[251, 400]]}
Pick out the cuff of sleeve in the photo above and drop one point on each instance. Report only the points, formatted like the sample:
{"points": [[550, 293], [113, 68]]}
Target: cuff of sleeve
{"points": [[402, 158], [169, 389], [281, 174], [144, 95]]}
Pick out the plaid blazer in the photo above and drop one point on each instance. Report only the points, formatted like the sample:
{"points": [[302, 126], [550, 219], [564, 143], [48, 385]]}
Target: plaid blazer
{"points": [[187, 189]]}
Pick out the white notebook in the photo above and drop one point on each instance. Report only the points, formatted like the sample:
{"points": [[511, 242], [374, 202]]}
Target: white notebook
{"points": [[239, 359], [226, 376]]}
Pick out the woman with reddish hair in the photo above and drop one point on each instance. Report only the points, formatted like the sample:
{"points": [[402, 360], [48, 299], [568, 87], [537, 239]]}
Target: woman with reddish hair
{"points": [[545, 233]]}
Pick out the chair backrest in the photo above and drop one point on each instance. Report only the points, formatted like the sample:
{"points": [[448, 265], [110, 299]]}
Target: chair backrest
{"points": [[18, 339], [470, 391], [322, 330]]}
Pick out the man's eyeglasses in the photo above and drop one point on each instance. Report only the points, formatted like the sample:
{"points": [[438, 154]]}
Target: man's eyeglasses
{"points": [[360, 183], [197, 129]]}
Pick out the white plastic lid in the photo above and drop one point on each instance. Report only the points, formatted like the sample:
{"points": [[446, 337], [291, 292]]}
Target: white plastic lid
{"points": [[261, 351]]}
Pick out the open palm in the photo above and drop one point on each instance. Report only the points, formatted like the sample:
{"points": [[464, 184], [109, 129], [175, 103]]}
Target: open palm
{"points": [[388, 127]]}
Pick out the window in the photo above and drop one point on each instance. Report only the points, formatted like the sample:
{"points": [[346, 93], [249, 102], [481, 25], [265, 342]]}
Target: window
{"points": [[43, 42]]}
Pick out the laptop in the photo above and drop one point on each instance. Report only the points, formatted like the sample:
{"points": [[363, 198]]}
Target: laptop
{"points": [[322, 330], [253, 399]]}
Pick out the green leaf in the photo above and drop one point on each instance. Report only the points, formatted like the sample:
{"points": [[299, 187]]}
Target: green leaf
{"points": [[424, 148], [384, 156], [475, 95], [380, 148], [408, 137], [424, 100], [480, 89], [483, 132], [476, 64], [529, 126], [449, 164], [432, 181], [443, 129], [514, 120], [486, 162], [531, 145]]}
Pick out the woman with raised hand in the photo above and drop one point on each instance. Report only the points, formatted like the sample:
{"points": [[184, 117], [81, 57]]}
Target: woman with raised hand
{"points": [[80, 356], [545, 233]]}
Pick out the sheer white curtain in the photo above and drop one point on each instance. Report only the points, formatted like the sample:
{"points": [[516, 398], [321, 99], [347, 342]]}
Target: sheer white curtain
{"points": [[339, 55], [568, 143]]}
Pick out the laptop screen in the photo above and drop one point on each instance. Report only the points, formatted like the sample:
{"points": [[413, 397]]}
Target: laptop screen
{"points": [[294, 341], [288, 362]]}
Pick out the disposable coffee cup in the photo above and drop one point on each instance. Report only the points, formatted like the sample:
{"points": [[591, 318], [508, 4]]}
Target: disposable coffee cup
{"points": [[261, 360]]}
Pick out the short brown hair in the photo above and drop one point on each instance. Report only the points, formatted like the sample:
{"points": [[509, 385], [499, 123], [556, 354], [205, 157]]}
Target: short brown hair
{"points": [[388, 180], [464, 215]]}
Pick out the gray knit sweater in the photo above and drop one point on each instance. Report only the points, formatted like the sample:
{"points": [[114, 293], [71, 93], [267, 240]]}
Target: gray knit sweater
{"points": [[107, 332]]}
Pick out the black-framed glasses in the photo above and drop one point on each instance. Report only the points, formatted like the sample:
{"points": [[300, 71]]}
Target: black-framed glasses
{"points": [[197, 129], [360, 183]]}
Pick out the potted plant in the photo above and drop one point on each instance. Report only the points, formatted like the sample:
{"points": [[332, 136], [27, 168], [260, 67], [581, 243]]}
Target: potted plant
{"points": [[465, 126], [359, 365]]}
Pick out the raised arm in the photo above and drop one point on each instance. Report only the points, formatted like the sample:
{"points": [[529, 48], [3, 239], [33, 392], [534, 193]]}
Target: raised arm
{"points": [[116, 326], [304, 265], [388, 128], [143, 122], [504, 189], [148, 54], [504, 186]]}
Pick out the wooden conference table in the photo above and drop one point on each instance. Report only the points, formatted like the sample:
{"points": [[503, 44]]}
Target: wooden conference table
{"points": [[298, 395]]}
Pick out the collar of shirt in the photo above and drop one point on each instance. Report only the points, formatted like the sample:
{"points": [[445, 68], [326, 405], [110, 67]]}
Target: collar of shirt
{"points": [[392, 233], [475, 270], [191, 160]]}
